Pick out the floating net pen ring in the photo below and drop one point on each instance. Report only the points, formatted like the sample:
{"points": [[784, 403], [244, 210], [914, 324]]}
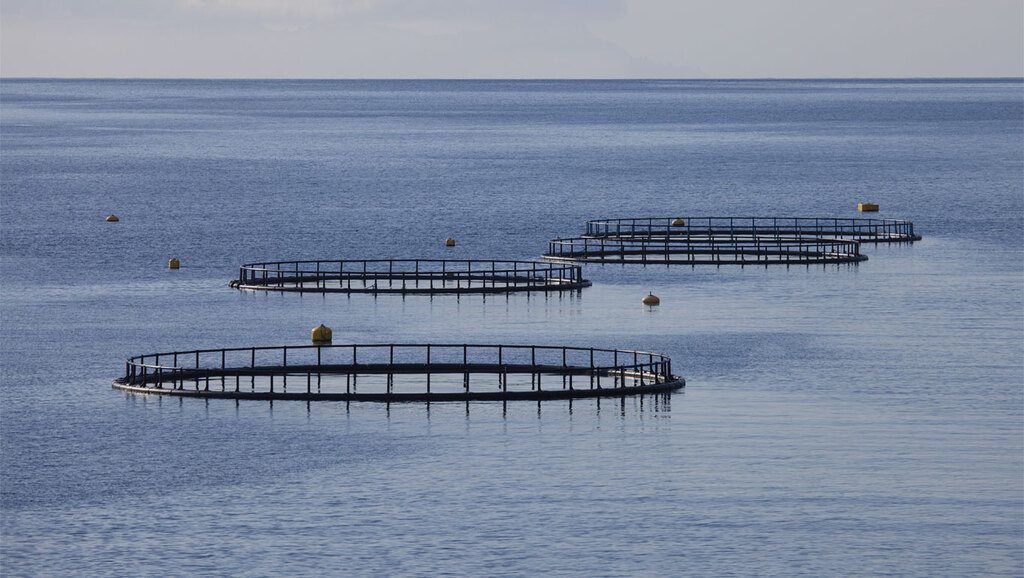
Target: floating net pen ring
{"points": [[401, 373], [409, 276], [705, 250]]}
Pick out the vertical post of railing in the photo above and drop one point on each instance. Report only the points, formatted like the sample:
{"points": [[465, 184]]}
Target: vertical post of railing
{"points": [[391, 366], [533, 368], [591, 368], [428, 369], [501, 372]]}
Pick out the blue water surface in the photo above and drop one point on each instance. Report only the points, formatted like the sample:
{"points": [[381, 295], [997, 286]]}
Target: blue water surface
{"points": [[854, 420]]}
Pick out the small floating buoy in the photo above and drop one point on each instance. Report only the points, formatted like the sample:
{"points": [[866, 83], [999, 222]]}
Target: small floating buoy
{"points": [[173, 263], [321, 334], [651, 299], [449, 242], [677, 222], [867, 207], [112, 219]]}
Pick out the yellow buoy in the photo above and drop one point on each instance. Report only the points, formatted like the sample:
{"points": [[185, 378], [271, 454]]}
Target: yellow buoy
{"points": [[449, 242], [321, 334], [677, 222], [651, 299], [173, 263], [112, 219], [867, 207]]}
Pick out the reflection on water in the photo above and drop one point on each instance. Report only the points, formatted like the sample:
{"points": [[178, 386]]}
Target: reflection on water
{"points": [[633, 406]]}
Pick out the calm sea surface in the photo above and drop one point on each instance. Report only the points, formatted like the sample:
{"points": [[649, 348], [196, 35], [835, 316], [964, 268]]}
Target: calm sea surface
{"points": [[864, 419]]}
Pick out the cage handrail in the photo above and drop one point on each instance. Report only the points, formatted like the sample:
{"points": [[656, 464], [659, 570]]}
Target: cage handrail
{"points": [[721, 249], [454, 275], [383, 345], [871, 228], [631, 372]]}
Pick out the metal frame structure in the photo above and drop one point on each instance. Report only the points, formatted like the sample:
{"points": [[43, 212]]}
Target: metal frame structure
{"points": [[865, 230], [424, 276], [401, 373], [705, 250]]}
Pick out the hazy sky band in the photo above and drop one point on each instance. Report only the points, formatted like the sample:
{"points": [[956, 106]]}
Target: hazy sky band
{"points": [[522, 39]]}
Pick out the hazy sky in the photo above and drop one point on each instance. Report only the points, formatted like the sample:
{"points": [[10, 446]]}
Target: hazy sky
{"points": [[511, 39]]}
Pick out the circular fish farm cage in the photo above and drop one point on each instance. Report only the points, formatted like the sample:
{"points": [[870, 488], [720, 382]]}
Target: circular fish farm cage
{"points": [[864, 230], [423, 276], [705, 250], [401, 373]]}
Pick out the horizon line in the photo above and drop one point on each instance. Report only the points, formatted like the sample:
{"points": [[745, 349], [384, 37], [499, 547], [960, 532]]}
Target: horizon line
{"points": [[525, 78]]}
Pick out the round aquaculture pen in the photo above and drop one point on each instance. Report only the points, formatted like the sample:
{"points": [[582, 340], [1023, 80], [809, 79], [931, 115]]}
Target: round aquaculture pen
{"points": [[706, 250], [409, 276], [401, 373], [864, 230]]}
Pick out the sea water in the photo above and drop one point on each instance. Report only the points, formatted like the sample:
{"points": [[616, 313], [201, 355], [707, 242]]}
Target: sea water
{"points": [[837, 420]]}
